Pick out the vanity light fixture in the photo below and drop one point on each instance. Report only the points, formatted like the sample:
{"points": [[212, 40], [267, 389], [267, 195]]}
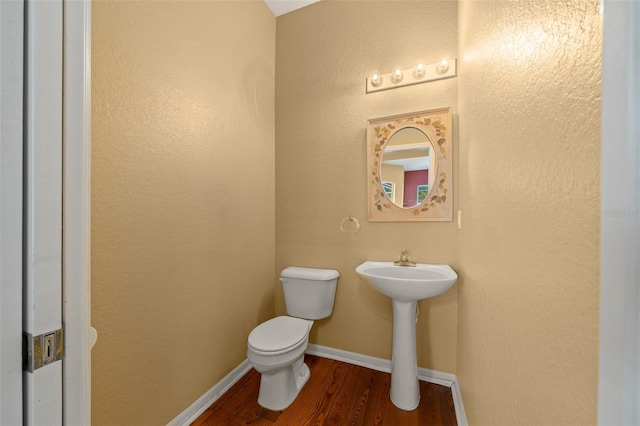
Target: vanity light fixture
{"points": [[397, 75], [443, 66], [376, 79], [422, 73]]}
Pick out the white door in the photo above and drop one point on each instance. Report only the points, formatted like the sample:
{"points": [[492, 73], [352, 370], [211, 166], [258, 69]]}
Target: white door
{"points": [[44, 256]]}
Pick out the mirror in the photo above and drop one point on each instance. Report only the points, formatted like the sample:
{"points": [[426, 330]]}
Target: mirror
{"points": [[409, 166]]}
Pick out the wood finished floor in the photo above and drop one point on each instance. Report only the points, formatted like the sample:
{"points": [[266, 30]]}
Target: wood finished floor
{"points": [[336, 394]]}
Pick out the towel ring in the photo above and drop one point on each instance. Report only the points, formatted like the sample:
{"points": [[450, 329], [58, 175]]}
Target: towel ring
{"points": [[352, 230]]}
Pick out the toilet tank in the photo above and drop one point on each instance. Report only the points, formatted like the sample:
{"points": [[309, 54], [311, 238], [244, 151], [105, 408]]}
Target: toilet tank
{"points": [[309, 293]]}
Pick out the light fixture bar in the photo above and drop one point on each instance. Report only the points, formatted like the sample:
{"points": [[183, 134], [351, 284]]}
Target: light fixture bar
{"points": [[419, 74]]}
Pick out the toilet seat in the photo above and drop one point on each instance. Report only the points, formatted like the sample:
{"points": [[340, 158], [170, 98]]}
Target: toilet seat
{"points": [[279, 335]]}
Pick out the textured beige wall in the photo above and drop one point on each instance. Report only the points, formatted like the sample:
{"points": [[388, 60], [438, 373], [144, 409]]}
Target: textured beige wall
{"points": [[324, 53], [529, 89], [183, 199]]}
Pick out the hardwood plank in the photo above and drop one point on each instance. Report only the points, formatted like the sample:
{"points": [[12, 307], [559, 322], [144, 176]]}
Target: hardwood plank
{"points": [[203, 418], [378, 402], [267, 414], [337, 394], [346, 398], [429, 409], [447, 409], [358, 410]]}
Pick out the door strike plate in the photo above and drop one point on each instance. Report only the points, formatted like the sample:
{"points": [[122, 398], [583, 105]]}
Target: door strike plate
{"points": [[43, 349]]}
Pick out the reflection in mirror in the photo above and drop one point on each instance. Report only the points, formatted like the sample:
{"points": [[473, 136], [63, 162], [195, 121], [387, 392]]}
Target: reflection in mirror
{"points": [[407, 168]]}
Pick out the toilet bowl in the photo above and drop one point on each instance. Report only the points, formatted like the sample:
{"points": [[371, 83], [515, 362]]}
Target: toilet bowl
{"points": [[276, 350], [276, 347]]}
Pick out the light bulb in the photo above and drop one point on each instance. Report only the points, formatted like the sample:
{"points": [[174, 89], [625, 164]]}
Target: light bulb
{"points": [[419, 70], [376, 80], [443, 66], [397, 75]]}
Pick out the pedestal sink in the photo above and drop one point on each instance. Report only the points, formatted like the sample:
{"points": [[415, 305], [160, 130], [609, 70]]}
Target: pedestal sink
{"points": [[405, 285]]}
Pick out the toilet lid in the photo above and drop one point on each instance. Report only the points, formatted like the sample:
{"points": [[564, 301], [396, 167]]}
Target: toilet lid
{"points": [[279, 333]]}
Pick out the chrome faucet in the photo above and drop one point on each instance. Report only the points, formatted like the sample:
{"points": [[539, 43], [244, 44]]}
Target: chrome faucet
{"points": [[404, 259]]}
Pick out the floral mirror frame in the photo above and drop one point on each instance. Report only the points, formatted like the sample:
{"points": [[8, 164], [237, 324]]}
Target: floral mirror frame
{"points": [[438, 204]]}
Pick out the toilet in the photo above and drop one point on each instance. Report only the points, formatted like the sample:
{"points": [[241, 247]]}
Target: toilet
{"points": [[276, 347]]}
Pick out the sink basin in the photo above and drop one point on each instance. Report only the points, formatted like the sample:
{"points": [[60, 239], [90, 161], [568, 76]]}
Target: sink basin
{"points": [[405, 285], [408, 283]]}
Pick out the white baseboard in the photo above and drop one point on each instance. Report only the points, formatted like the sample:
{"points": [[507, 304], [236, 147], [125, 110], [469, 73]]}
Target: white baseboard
{"points": [[212, 395], [380, 364], [457, 404], [205, 401]]}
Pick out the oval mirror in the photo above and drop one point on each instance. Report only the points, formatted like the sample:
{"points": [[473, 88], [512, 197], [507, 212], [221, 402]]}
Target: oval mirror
{"points": [[407, 167]]}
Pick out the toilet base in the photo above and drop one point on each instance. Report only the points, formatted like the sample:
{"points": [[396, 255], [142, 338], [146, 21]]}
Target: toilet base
{"points": [[278, 389]]}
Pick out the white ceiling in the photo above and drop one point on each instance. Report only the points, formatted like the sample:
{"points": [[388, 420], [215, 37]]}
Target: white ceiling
{"points": [[280, 7]]}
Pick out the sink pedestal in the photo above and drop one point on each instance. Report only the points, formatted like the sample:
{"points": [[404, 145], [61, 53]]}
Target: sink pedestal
{"points": [[405, 389]]}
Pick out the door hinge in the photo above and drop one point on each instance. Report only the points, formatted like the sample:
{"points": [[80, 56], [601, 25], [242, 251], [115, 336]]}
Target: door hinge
{"points": [[42, 350]]}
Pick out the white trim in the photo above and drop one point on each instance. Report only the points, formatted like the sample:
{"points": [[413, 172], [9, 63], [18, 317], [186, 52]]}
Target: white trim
{"points": [[461, 417], [77, 211], [378, 364], [212, 395], [619, 349], [366, 361], [384, 365]]}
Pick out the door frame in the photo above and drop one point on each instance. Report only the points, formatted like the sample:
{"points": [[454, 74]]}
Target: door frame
{"points": [[619, 373], [79, 336]]}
